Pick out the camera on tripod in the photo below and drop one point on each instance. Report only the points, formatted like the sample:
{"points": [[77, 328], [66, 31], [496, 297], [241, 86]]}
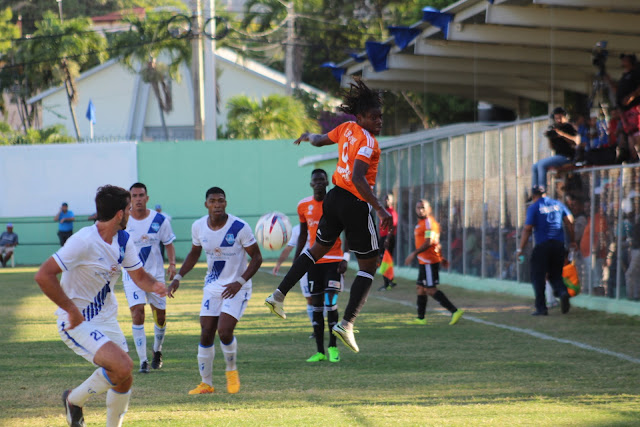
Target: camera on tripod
{"points": [[599, 56]]}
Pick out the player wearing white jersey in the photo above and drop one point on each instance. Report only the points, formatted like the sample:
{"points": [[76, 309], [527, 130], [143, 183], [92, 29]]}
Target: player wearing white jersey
{"points": [[304, 282], [90, 264], [226, 240], [148, 229]]}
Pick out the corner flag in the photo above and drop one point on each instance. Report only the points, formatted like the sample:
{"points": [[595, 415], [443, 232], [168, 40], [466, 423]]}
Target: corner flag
{"points": [[91, 113]]}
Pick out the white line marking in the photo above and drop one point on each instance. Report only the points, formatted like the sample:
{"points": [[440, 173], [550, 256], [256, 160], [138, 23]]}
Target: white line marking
{"points": [[527, 332]]}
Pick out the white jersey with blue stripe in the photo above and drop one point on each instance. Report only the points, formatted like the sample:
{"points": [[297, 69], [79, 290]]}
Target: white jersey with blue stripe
{"points": [[147, 234], [90, 269], [225, 249]]}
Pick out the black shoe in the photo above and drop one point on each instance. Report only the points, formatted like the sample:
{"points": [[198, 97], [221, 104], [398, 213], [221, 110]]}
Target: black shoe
{"points": [[540, 313], [382, 288], [75, 418], [312, 336], [392, 285], [156, 363], [565, 305], [144, 367]]}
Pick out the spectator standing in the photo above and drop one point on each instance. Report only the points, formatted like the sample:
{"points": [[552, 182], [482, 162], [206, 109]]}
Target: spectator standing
{"points": [[545, 218], [627, 91], [8, 242], [65, 219]]}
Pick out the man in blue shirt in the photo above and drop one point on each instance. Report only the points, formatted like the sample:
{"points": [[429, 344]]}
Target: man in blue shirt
{"points": [[65, 219], [8, 242], [545, 217]]}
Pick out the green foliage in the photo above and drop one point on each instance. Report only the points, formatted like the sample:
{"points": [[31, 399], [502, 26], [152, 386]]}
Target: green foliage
{"points": [[274, 117], [8, 30], [51, 135], [148, 41]]}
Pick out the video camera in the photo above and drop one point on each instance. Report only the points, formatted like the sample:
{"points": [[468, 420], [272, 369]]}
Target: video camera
{"points": [[599, 56]]}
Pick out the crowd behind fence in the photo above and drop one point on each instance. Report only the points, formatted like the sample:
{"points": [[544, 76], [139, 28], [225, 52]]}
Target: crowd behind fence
{"points": [[478, 184]]}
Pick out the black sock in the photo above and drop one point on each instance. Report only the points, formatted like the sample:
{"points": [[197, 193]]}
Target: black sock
{"points": [[332, 319], [422, 306], [300, 266], [318, 327], [444, 301], [359, 292], [386, 281]]}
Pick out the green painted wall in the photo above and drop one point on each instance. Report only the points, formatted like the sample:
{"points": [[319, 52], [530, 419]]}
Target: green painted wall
{"points": [[258, 177]]}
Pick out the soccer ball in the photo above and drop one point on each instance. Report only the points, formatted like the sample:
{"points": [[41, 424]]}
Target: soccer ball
{"points": [[273, 230]]}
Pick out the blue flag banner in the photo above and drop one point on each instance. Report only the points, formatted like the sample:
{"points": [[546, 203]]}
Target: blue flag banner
{"points": [[91, 112], [337, 72], [437, 18], [403, 35], [357, 57], [377, 53]]}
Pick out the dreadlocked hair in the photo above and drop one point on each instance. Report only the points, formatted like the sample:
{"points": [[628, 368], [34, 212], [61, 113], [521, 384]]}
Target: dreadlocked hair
{"points": [[359, 99]]}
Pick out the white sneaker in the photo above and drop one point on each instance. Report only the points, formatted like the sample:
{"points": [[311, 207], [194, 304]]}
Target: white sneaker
{"points": [[276, 307], [346, 337]]}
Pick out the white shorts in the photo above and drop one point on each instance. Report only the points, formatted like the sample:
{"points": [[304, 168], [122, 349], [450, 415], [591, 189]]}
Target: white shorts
{"points": [[6, 250], [213, 304], [136, 296], [87, 338], [304, 286]]}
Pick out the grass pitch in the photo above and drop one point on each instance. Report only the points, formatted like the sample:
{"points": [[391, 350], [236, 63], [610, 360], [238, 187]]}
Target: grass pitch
{"points": [[470, 374]]}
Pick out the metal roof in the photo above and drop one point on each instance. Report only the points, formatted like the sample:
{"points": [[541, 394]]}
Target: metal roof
{"points": [[505, 51]]}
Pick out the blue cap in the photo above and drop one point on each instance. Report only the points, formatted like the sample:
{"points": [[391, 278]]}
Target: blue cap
{"points": [[9, 225], [158, 207]]}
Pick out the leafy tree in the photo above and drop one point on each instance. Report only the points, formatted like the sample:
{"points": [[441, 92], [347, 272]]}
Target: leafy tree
{"points": [[57, 53], [142, 50], [51, 135], [274, 117]]}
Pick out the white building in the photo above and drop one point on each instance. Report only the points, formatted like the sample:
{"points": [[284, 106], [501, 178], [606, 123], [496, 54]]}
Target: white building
{"points": [[127, 109]]}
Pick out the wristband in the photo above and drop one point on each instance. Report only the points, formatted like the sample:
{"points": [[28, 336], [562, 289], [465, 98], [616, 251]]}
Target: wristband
{"points": [[241, 280], [346, 256], [177, 277]]}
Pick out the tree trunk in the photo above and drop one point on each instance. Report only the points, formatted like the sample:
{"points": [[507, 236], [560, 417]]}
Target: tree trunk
{"points": [[423, 118], [156, 91], [73, 111]]}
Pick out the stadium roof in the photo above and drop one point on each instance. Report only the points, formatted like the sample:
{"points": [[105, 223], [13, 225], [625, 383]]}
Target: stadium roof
{"points": [[503, 51]]}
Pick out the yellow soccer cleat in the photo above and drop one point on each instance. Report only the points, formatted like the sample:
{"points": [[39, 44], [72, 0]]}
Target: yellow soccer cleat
{"points": [[456, 316], [318, 357], [419, 321], [334, 354], [202, 389], [276, 307], [233, 382]]}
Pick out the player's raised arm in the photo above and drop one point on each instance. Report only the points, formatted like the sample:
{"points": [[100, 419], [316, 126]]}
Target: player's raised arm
{"points": [[47, 279], [315, 139]]}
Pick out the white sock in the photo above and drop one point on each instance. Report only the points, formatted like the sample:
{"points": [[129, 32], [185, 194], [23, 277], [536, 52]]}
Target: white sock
{"points": [[205, 363], [310, 312], [348, 326], [548, 291], [158, 333], [140, 341], [230, 351], [97, 383], [117, 405]]}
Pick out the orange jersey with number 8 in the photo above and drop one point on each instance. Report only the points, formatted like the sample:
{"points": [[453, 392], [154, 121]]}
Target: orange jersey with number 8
{"points": [[354, 142]]}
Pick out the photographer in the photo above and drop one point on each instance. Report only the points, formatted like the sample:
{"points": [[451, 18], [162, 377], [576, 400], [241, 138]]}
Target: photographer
{"points": [[627, 91], [563, 139]]}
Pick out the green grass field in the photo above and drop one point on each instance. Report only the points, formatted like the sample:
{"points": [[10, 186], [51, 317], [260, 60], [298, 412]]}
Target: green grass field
{"points": [[470, 374]]}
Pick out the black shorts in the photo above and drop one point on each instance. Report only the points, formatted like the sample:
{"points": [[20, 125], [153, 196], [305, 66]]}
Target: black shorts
{"points": [[324, 277], [429, 275], [341, 210]]}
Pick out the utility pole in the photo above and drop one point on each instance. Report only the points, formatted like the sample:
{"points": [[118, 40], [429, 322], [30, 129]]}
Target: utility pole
{"points": [[60, 9], [197, 72], [290, 50], [210, 78]]}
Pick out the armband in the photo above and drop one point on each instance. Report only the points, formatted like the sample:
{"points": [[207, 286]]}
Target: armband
{"points": [[177, 277], [241, 280], [346, 256]]}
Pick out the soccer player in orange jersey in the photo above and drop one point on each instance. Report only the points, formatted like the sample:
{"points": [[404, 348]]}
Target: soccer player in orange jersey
{"points": [[348, 206], [325, 276], [427, 237]]}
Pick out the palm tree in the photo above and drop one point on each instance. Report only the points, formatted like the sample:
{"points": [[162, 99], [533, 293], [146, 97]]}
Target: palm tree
{"points": [[140, 49], [58, 51], [274, 117]]}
